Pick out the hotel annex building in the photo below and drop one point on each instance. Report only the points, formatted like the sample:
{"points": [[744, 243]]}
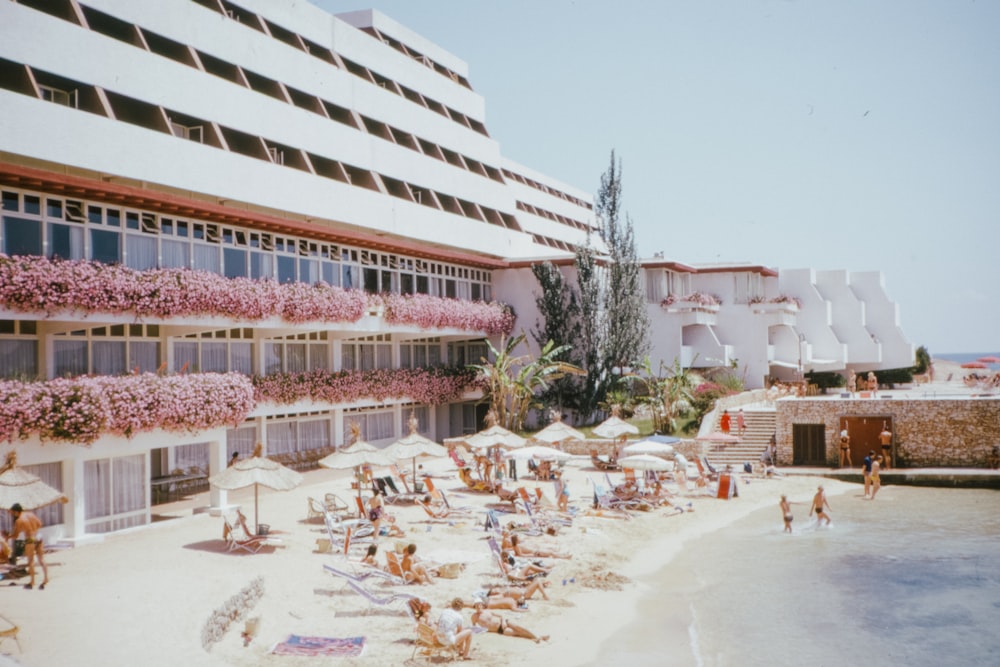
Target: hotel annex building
{"points": [[141, 142]]}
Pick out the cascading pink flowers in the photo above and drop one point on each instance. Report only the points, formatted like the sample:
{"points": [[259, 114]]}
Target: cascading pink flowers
{"points": [[429, 312], [432, 386], [40, 285], [82, 409]]}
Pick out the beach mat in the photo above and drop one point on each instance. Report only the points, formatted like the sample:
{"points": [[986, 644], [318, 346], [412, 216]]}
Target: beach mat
{"points": [[347, 647]]}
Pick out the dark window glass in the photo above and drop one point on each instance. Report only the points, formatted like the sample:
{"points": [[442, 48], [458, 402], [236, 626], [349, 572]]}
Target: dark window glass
{"points": [[286, 269], [22, 237], [422, 285], [406, 283], [114, 217], [94, 214], [371, 281], [32, 205], [105, 246], [235, 263], [132, 220], [54, 208], [7, 326], [10, 201]]}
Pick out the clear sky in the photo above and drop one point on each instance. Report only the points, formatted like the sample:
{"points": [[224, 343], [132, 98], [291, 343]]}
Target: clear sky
{"points": [[856, 134]]}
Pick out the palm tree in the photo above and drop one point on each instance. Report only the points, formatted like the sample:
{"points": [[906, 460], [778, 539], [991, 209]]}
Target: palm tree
{"points": [[670, 392], [511, 381]]}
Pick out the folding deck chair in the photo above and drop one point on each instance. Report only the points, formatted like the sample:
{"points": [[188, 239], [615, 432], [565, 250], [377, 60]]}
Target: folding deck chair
{"points": [[239, 538], [375, 600]]}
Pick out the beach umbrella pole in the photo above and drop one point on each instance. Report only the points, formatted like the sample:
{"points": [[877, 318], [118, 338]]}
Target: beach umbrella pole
{"points": [[256, 513]]}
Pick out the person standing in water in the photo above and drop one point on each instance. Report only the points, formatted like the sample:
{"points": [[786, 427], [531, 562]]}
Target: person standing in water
{"points": [[786, 513], [820, 506]]}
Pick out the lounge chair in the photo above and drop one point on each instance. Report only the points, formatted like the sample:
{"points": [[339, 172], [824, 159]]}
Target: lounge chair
{"points": [[428, 644], [366, 573], [375, 600], [458, 460], [317, 510], [336, 505], [239, 538], [10, 632], [396, 567], [602, 462], [444, 513]]}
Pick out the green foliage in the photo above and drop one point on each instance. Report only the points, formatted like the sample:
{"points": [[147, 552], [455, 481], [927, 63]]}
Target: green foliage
{"points": [[704, 397], [559, 306], [923, 359], [668, 393], [826, 380], [890, 377], [589, 345]]}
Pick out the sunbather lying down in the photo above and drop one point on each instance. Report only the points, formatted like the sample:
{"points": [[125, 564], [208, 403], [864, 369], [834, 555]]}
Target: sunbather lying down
{"points": [[525, 551], [485, 618]]}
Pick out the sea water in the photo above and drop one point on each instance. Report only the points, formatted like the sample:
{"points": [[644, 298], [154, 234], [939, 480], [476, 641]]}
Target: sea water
{"points": [[912, 578]]}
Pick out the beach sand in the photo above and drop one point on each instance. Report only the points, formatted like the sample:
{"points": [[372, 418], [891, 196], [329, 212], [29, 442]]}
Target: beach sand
{"points": [[144, 596]]}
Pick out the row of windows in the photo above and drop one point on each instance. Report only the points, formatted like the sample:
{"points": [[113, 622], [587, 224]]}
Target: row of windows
{"points": [[35, 224], [547, 189], [147, 40], [122, 349], [26, 80], [549, 215]]}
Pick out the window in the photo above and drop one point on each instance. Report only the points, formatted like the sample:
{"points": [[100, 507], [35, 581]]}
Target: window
{"points": [[65, 241], [105, 246], [67, 98], [189, 132], [21, 236], [115, 493]]}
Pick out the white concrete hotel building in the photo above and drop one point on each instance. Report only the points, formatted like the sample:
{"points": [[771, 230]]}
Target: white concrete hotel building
{"points": [[270, 139]]}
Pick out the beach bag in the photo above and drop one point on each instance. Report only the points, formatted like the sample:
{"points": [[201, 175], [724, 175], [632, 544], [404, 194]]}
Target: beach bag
{"points": [[747, 467]]}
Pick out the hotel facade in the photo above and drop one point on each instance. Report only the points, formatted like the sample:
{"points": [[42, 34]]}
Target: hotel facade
{"points": [[228, 223]]}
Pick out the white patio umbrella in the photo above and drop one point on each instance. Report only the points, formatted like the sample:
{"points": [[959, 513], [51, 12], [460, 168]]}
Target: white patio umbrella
{"points": [[557, 431], [615, 427], [495, 436], [257, 470], [540, 452], [21, 487], [649, 446], [413, 445], [358, 454], [644, 462]]}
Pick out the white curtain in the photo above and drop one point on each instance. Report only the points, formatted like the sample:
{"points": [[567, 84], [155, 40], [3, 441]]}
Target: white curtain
{"points": [[319, 356], [130, 481], [379, 426], [348, 361], [421, 412], [144, 355], [185, 353], [108, 357], [295, 357], [383, 356], [241, 357], [70, 357], [272, 358], [140, 252], [242, 440], [314, 434], [206, 258], [214, 357], [19, 358], [187, 457], [280, 437], [176, 254]]}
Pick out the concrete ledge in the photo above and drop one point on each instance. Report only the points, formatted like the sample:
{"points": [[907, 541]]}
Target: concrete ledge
{"points": [[958, 478]]}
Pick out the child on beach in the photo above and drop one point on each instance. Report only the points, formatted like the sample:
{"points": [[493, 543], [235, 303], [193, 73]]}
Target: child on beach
{"points": [[786, 513]]}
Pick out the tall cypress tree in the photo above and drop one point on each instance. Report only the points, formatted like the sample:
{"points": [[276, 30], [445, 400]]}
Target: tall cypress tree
{"points": [[625, 322]]}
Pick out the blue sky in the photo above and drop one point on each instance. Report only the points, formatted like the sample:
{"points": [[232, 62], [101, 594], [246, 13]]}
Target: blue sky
{"points": [[857, 134]]}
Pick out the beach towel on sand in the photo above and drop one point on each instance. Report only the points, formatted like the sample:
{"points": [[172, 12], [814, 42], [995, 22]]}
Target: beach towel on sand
{"points": [[320, 646]]}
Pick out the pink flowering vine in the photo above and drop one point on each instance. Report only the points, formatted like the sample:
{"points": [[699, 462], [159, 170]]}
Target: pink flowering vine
{"points": [[432, 386]]}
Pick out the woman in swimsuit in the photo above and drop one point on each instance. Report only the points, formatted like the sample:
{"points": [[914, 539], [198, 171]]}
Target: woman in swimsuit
{"points": [[494, 623], [876, 481]]}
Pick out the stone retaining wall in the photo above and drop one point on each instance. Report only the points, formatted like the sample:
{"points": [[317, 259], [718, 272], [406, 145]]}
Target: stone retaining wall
{"points": [[946, 432]]}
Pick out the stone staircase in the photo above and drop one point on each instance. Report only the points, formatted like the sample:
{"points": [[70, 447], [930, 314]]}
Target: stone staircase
{"points": [[760, 423]]}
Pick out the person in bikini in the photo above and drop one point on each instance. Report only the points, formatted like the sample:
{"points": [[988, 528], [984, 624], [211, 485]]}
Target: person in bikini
{"points": [[820, 506], [27, 524], [485, 618]]}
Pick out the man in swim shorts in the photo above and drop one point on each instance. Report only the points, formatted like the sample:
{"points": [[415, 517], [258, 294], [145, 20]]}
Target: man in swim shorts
{"points": [[27, 524], [820, 506]]}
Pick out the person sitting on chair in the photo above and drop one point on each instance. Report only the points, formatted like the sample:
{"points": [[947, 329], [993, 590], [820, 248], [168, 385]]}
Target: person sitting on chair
{"points": [[413, 569]]}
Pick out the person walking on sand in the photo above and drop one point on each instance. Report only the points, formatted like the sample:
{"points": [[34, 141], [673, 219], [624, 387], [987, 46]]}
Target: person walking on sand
{"points": [[820, 506], [876, 480], [725, 422], [27, 524], [786, 513], [867, 471]]}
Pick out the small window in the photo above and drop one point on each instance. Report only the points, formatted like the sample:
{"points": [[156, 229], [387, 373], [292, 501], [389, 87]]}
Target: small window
{"points": [[67, 98]]}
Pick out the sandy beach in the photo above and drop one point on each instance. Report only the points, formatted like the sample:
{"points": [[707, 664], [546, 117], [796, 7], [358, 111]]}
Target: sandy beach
{"points": [[146, 595]]}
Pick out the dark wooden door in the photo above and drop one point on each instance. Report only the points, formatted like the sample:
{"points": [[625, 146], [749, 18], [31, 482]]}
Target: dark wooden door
{"points": [[809, 445], [864, 430]]}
